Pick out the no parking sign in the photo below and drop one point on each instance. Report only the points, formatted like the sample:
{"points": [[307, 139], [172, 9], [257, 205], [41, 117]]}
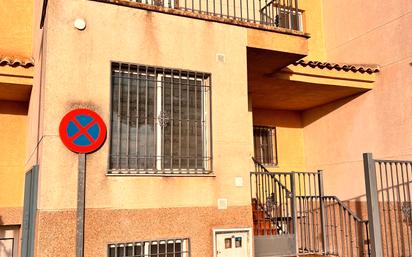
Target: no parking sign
{"points": [[82, 131]]}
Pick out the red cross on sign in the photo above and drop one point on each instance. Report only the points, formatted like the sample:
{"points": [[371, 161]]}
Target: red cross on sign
{"points": [[82, 131]]}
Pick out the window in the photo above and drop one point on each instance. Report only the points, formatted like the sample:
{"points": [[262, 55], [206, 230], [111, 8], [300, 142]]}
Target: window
{"points": [[160, 121], [265, 145], [159, 248]]}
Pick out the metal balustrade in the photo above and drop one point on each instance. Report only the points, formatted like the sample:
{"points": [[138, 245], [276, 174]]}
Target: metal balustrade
{"points": [[293, 204], [274, 13], [389, 187]]}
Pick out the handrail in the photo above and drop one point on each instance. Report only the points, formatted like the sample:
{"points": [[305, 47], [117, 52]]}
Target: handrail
{"points": [[344, 206], [267, 171]]}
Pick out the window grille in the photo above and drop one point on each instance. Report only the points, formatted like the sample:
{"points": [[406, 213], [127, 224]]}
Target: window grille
{"points": [[157, 248], [265, 145], [160, 121]]}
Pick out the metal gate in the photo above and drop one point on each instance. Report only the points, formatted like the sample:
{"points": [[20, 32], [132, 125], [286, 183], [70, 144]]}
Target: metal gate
{"points": [[389, 186], [292, 216]]}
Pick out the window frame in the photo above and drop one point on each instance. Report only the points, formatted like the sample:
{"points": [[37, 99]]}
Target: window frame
{"points": [[206, 117], [145, 245], [274, 150]]}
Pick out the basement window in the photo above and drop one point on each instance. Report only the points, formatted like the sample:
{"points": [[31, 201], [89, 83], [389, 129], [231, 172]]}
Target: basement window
{"points": [[160, 121], [264, 139], [157, 248]]}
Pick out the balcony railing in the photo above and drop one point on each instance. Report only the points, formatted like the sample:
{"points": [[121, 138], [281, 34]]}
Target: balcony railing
{"points": [[275, 13]]}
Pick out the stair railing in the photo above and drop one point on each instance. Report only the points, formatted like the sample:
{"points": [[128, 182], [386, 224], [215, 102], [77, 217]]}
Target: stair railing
{"points": [[294, 202], [270, 195], [347, 234]]}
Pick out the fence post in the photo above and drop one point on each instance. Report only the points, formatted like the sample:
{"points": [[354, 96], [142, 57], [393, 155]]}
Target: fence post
{"points": [[294, 210], [373, 205], [322, 212]]}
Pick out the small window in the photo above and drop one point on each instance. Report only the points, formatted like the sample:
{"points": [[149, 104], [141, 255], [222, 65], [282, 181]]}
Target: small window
{"points": [[157, 248], [265, 145]]}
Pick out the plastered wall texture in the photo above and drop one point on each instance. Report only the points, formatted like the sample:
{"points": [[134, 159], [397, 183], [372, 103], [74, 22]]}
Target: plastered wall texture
{"points": [[13, 137], [105, 226], [85, 57], [77, 74], [74, 71], [378, 121], [88, 85], [17, 27], [289, 137]]}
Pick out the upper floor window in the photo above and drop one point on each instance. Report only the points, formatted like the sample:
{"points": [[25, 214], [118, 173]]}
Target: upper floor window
{"points": [[265, 145], [160, 121]]}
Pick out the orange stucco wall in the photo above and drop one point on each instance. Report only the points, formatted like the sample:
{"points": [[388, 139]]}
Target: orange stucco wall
{"points": [[378, 121], [289, 137], [16, 26], [15, 41], [13, 119], [313, 23]]}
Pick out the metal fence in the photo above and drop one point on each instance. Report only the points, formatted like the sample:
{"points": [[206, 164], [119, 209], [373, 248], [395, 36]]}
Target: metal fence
{"points": [[294, 203], [272, 200], [389, 186], [310, 212], [276, 13], [346, 234]]}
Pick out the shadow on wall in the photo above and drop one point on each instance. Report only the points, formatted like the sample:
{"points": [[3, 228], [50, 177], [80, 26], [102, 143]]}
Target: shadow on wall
{"points": [[314, 114], [404, 210], [13, 108], [277, 118]]}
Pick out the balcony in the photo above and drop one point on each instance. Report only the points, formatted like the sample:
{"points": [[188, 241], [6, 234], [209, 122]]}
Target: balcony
{"points": [[277, 15]]}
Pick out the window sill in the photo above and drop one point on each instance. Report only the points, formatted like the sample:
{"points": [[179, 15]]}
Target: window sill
{"points": [[168, 174], [271, 165]]}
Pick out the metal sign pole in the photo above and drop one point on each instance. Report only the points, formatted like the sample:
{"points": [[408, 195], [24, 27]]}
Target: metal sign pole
{"points": [[80, 206]]}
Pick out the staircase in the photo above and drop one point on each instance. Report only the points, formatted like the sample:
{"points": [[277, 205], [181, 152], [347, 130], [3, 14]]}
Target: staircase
{"points": [[262, 224], [290, 208]]}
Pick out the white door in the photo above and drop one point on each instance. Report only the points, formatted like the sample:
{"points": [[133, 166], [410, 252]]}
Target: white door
{"points": [[233, 244], [9, 241]]}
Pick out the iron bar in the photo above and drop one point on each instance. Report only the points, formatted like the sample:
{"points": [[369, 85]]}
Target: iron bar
{"points": [[373, 206]]}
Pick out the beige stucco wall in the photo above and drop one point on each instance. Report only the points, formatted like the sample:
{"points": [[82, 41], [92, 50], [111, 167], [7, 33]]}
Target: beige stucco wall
{"points": [[377, 121], [78, 74]]}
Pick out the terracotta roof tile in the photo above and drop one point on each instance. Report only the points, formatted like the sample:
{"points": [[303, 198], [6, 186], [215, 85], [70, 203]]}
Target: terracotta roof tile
{"points": [[16, 61], [362, 68]]}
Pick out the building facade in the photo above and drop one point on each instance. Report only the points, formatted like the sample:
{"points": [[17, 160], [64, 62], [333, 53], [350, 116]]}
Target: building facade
{"points": [[190, 91]]}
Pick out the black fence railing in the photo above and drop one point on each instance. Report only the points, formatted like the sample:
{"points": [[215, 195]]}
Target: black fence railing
{"points": [[275, 13]]}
